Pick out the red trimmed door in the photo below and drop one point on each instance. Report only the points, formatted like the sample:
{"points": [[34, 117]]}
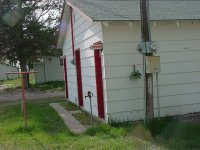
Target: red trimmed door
{"points": [[79, 77], [99, 83], [65, 78]]}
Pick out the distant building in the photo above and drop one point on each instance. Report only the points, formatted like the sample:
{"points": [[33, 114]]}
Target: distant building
{"points": [[5, 68], [50, 69], [175, 26]]}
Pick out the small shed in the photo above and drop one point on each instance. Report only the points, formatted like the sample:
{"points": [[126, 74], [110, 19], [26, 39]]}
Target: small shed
{"points": [[175, 26], [50, 69], [4, 68]]}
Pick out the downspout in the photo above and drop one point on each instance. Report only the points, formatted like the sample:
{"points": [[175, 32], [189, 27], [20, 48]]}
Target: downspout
{"points": [[72, 30], [65, 78]]}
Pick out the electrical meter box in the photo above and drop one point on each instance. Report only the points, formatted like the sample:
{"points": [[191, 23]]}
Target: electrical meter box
{"points": [[152, 64]]}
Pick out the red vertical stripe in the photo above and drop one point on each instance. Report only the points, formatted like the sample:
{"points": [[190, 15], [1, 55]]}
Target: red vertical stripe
{"points": [[72, 29], [79, 77], [65, 78], [99, 83]]}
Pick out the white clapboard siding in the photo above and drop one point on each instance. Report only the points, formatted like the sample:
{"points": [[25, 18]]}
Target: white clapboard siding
{"points": [[128, 105], [126, 115], [86, 33], [180, 100], [179, 78], [180, 68], [178, 109], [120, 48], [125, 94], [4, 68], [117, 60]]}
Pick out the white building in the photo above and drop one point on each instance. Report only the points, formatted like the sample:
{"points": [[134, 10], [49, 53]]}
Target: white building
{"points": [[175, 26], [4, 69], [50, 69]]}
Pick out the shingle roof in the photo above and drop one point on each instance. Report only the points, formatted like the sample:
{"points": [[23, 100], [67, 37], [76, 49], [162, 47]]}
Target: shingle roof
{"points": [[104, 10]]}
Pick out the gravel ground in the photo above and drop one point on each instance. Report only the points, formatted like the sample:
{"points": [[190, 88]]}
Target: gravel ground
{"points": [[192, 118], [7, 96]]}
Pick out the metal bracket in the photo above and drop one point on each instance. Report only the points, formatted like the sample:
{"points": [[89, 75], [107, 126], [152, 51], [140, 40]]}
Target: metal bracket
{"points": [[147, 47]]}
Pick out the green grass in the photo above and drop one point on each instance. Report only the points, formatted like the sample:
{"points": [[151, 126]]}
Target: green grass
{"points": [[82, 116], [53, 85], [47, 131], [85, 118], [12, 83], [174, 134], [16, 83], [69, 106]]}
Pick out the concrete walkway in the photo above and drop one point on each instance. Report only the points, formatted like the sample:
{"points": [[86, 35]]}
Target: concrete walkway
{"points": [[69, 120]]}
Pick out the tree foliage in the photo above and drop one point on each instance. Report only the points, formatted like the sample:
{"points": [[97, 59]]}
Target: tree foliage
{"points": [[28, 30]]}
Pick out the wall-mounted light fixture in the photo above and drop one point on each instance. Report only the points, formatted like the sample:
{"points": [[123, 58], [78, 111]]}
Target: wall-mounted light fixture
{"points": [[72, 61]]}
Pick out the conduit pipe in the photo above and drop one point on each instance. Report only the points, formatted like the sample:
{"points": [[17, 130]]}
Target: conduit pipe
{"points": [[158, 98]]}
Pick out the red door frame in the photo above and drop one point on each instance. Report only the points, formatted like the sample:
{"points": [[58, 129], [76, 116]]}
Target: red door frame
{"points": [[79, 77], [99, 83], [65, 78]]}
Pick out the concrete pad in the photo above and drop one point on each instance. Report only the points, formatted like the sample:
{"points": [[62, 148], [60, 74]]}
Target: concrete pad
{"points": [[69, 120]]}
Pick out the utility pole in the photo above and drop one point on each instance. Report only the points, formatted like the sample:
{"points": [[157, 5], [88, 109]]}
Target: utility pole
{"points": [[145, 47]]}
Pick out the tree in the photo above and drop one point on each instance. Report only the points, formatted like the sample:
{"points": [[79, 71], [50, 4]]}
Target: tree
{"points": [[28, 30]]}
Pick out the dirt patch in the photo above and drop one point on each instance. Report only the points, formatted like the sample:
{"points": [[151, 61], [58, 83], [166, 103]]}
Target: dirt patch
{"points": [[15, 95], [192, 118]]}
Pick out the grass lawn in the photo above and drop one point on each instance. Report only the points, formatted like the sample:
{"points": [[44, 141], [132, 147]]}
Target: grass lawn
{"points": [[16, 83], [47, 131], [82, 116], [53, 85], [69, 106]]}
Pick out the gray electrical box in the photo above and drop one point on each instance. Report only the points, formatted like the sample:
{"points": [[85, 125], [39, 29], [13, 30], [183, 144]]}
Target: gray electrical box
{"points": [[152, 64]]}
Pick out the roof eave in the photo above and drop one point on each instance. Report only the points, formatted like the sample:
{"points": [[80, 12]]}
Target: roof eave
{"points": [[167, 19], [63, 26], [80, 11]]}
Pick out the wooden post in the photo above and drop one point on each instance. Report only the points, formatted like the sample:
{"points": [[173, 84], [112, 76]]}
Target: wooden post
{"points": [[146, 38], [24, 102]]}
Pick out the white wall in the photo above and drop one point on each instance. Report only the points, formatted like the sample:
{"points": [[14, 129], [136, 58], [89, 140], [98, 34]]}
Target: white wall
{"points": [[49, 70], [40, 76], [124, 96], [6, 68], [86, 33], [53, 70], [180, 68]]}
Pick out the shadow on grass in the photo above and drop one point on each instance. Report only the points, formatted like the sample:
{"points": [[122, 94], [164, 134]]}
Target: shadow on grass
{"points": [[37, 141], [41, 117], [45, 124], [175, 134], [28, 131], [53, 85], [106, 130], [13, 84], [165, 132]]}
